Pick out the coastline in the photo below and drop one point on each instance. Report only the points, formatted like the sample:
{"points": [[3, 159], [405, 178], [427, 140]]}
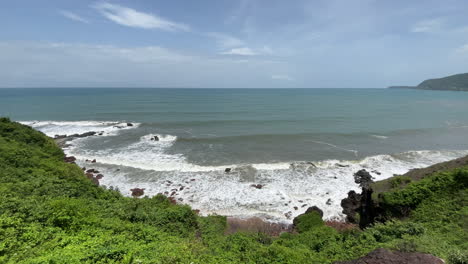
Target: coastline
{"points": [[255, 223]]}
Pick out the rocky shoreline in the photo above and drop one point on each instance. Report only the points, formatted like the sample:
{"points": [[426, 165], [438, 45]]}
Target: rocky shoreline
{"points": [[361, 209]]}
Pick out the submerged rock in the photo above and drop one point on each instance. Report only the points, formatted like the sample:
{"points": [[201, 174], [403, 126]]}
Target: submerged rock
{"points": [[257, 186], [227, 170], [129, 124], [155, 138]]}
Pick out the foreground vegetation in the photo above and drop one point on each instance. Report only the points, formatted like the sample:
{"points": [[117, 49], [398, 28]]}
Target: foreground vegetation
{"points": [[51, 213]]}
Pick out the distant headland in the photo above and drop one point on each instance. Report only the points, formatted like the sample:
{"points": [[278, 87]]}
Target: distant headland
{"points": [[457, 82]]}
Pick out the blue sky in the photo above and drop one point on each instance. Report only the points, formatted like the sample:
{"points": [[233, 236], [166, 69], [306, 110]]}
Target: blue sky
{"points": [[230, 43]]}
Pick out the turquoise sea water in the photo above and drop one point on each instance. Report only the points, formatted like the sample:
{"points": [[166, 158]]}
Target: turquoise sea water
{"points": [[265, 135]]}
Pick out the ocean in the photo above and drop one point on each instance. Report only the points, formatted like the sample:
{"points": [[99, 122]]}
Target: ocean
{"points": [[301, 145]]}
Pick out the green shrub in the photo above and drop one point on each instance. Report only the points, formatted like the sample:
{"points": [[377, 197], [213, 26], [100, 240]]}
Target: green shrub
{"points": [[308, 221], [399, 180]]}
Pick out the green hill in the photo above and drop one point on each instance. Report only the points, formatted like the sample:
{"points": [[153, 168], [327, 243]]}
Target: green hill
{"points": [[457, 82], [50, 212]]}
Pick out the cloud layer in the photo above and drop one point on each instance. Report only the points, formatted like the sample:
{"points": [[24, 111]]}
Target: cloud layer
{"points": [[131, 18]]}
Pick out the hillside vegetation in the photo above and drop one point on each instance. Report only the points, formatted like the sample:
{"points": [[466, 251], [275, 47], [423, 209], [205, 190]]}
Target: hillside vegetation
{"points": [[51, 213], [457, 82]]}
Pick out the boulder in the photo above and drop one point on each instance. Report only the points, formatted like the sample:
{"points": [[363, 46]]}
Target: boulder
{"points": [[93, 161], [155, 138], [363, 178], [129, 124], [351, 205], [257, 186], [227, 170], [70, 159], [384, 256], [137, 192], [314, 209], [310, 219], [99, 176]]}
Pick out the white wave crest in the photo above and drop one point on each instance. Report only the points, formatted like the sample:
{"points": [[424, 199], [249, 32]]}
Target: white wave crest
{"points": [[52, 128]]}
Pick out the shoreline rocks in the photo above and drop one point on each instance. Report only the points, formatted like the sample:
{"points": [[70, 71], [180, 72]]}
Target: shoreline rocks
{"points": [[137, 192]]}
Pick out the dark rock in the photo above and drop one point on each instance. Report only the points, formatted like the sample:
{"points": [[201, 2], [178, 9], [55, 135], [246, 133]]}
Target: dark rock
{"points": [[351, 205], [99, 176], [192, 179], [227, 170], [93, 161], [173, 193], [95, 181], [181, 188], [155, 138], [84, 168], [90, 171], [258, 186], [295, 208], [329, 202], [180, 199], [304, 205], [129, 124], [288, 215], [360, 204], [87, 134], [137, 192], [70, 159], [101, 133], [363, 178], [314, 209], [384, 256], [60, 136]]}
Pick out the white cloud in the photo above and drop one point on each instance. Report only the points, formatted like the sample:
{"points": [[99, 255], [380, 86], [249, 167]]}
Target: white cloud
{"points": [[73, 16], [282, 77], [463, 49], [427, 26], [35, 64], [226, 41], [240, 51], [131, 18]]}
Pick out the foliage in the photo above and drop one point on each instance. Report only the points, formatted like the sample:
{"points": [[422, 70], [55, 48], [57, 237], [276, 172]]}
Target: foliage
{"points": [[51, 213], [399, 180]]}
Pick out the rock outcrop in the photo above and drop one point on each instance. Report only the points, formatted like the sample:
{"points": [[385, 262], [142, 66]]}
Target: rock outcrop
{"points": [[137, 192], [384, 256], [360, 208]]}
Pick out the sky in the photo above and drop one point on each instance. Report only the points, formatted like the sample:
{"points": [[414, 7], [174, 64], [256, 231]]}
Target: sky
{"points": [[231, 43]]}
